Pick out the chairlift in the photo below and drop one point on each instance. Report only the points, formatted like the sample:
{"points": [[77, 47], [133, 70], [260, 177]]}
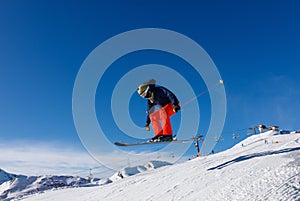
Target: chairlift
{"points": [[234, 136], [221, 138], [252, 131]]}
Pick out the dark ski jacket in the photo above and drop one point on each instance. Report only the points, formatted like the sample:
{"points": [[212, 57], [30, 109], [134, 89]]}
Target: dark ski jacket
{"points": [[162, 97]]}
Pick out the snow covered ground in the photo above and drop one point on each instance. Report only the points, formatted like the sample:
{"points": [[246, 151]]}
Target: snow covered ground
{"points": [[262, 167]]}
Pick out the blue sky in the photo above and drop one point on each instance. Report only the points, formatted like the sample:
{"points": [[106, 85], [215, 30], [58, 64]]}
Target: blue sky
{"points": [[254, 45]]}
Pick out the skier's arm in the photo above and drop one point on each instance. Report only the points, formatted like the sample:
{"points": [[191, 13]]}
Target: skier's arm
{"points": [[149, 108], [173, 100], [171, 96]]}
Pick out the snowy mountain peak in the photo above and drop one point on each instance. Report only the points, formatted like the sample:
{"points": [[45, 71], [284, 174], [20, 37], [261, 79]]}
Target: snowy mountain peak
{"points": [[4, 176], [15, 186]]}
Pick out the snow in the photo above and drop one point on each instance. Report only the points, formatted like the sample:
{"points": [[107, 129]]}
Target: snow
{"points": [[4, 176], [130, 171], [20, 185], [17, 186], [262, 167]]}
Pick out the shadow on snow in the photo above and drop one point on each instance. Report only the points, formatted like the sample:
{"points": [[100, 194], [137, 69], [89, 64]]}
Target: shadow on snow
{"points": [[250, 156]]}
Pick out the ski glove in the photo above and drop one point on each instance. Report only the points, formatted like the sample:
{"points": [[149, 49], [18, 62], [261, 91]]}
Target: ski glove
{"points": [[176, 108], [147, 127]]}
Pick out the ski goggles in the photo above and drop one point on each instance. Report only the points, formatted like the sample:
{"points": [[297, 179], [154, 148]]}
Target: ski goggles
{"points": [[144, 94]]}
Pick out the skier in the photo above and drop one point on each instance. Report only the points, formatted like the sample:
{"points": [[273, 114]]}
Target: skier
{"points": [[168, 105]]}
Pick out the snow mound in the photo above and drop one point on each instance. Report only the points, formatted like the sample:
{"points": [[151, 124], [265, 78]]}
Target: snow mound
{"points": [[256, 139], [130, 171], [156, 164]]}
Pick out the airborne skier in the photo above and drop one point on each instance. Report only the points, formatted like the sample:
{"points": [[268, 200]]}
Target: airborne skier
{"points": [[168, 105]]}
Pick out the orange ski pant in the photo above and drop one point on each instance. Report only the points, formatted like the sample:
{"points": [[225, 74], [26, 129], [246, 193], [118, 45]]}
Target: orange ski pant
{"points": [[160, 120]]}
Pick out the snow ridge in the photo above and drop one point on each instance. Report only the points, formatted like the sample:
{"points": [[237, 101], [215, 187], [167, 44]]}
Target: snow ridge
{"points": [[4, 176], [20, 185]]}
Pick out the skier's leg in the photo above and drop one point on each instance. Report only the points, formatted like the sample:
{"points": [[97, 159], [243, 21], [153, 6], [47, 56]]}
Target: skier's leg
{"points": [[169, 109], [167, 126], [155, 121], [165, 114]]}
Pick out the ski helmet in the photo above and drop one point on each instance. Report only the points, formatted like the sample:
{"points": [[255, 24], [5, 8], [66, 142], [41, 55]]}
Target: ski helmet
{"points": [[143, 90]]}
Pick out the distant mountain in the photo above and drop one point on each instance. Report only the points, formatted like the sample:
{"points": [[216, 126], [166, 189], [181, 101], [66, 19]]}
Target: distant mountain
{"points": [[17, 186], [14, 186], [4, 176]]}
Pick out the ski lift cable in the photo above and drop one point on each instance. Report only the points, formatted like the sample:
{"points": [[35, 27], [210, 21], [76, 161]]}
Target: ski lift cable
{"points": [[125, 164], [238, 130], [97, 167]]}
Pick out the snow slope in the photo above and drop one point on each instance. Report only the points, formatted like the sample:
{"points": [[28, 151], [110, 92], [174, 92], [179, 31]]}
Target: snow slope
{"points": [[262, 167]]}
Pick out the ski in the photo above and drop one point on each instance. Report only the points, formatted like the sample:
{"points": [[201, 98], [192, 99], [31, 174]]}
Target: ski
{"points": [[125, 144]]}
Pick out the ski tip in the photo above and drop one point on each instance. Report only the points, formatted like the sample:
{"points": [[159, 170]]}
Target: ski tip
{"points": [[119, 144]]}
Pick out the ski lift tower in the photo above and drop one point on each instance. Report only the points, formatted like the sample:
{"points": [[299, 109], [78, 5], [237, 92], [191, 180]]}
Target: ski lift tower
{"points": [[197, 139], [90, 177]]}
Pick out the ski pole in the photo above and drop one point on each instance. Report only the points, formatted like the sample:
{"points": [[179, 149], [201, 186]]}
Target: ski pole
{"points": [[202, 93]]}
